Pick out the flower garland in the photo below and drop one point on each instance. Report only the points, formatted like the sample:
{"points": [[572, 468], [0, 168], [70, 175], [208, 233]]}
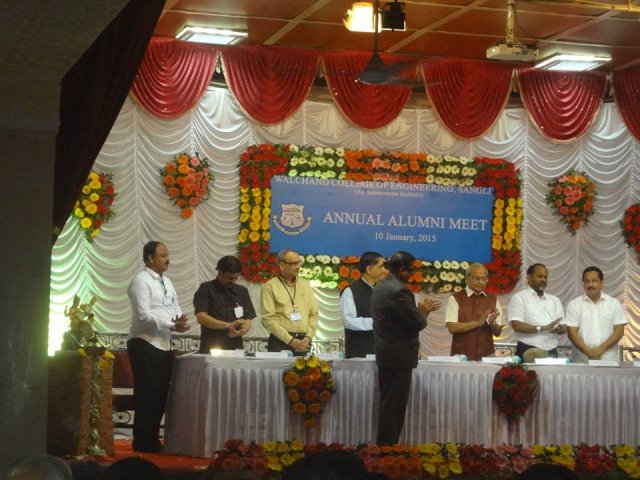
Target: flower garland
{"points": [[309, 387], [268, 460], [630, 225], [514, 389], [93, 208], [259, 163], [186, 180], [571, 197]]}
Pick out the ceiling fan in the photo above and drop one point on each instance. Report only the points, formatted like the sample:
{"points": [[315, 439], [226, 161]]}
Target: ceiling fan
{"points": [[376, 71]]}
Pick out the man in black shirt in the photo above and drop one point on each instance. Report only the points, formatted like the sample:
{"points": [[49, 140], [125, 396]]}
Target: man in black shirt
{"points": [[223, 308]]}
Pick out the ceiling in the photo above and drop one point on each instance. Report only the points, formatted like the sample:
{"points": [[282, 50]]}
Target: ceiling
{"points": [[435, 28]]}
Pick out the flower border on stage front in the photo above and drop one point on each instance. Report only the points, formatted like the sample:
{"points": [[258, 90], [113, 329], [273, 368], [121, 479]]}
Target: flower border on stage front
{"points": [[268, 460], [259, 163]]}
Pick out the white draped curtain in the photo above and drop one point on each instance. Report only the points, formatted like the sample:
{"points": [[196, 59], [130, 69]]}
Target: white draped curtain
{"points": [[140, 144]]}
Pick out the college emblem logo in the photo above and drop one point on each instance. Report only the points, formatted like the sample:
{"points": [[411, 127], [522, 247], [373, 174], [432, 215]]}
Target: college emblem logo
{"points": [[291, 220]]}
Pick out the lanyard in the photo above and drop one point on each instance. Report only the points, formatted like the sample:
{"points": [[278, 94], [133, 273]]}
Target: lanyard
{"points": [[292, 298]]}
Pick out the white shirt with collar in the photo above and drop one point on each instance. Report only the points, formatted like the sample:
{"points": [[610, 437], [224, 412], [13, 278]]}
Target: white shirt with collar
{"points": [[154, 305], [527, 307], [595, 322], [349, 313], [452, 308]]}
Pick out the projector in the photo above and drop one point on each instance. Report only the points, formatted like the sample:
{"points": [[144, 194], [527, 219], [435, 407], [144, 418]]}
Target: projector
{"points": [[512, 53]]}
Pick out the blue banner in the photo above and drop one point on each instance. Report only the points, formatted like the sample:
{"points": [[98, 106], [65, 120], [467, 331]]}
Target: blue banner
{"points": [[343, 218]]}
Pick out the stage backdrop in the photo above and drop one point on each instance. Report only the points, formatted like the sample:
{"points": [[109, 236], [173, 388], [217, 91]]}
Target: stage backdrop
{"points": [[140, 144]]}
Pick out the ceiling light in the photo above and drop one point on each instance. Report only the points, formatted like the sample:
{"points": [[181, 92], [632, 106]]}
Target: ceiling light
{"points": [[572, 63], [359, 18], [212, 36]]}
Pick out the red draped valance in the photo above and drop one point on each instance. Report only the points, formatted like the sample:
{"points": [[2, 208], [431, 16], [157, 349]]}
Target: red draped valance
{"points": [[467, 95], [173, 76], [626, 90], [368, 106], [269, 84], [562, 105]]}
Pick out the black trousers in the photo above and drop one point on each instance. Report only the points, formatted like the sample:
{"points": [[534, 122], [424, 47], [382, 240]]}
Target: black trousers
{"points": [[394, 385], [151, 378], [358, 343]]}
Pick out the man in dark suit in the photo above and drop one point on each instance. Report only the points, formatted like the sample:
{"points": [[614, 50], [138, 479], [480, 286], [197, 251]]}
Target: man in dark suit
{"points": [[397, 322]]}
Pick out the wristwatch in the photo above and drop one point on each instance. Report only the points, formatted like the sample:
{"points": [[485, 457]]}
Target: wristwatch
{"points": [[538, 328]]}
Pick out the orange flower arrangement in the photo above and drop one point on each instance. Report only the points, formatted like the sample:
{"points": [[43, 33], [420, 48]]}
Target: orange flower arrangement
{"points": [[309, 387], [571, 197], [186, 180]]}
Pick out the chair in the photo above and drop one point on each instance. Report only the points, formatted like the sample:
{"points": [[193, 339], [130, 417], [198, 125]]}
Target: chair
{"points": [[122, 391]]}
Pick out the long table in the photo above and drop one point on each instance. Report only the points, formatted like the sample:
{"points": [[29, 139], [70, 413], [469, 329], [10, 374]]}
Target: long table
{"points": [[213, 399]]}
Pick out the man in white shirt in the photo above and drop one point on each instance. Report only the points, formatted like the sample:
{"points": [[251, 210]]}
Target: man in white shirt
{"points": [[473, 317], [595, 321], [155, 314], [355, 305], [535, 315]]}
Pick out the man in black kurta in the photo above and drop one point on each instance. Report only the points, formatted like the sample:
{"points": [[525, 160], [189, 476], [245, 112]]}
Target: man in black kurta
{"points": [[223, 308], [396, 325]]}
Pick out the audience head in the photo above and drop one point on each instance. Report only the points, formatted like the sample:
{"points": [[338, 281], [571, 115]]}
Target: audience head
{"points": [[548, 471], [400, 264], [372, 266], [38, 467], [229, 269], [132, 468], [327, 465]]}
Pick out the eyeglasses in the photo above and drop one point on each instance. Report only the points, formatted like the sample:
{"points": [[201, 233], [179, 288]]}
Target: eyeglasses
{"points": [[299, 262]]}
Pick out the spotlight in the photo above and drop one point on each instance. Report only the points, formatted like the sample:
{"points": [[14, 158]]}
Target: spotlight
{"points": [[393, 17]]}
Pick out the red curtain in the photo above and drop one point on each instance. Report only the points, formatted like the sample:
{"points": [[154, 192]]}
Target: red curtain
{"points": [[626, 90], [269, 84], [367, 106], [562, 105], [467, 95], [173, 76]]}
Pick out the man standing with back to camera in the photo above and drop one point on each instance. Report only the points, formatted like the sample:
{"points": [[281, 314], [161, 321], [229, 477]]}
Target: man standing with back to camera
{"points": [[396, 325]]}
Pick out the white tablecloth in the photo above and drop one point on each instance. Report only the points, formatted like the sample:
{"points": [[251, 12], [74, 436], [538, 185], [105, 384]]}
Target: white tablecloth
{"points": [[214, 399]]}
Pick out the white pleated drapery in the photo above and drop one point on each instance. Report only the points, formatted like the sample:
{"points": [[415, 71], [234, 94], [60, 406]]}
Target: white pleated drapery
{"points": [[140, 144]]}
